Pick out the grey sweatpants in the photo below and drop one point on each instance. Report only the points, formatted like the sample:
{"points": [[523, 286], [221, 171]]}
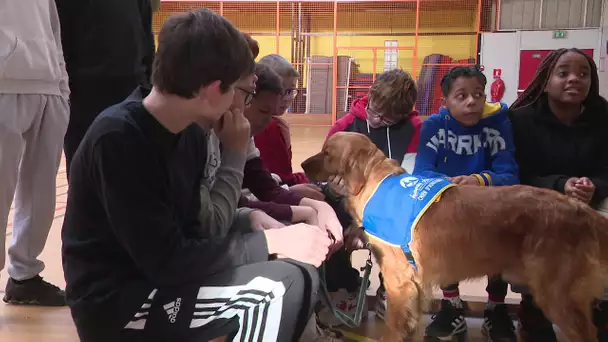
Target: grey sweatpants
{"points": [[32, 128]]}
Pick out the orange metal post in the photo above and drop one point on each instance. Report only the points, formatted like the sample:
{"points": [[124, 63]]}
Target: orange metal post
{"points": [[497, 14], [374, 63], [278, 25], [415, 52], [334, 88], [221, 8], [479, 4]]}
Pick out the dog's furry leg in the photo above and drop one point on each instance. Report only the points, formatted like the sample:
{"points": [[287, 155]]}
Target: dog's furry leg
{"points": [[566, 297], [572, 315], [404, 293]]}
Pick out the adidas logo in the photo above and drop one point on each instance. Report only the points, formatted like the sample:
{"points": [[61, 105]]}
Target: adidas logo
{"points": [[172, 309]]}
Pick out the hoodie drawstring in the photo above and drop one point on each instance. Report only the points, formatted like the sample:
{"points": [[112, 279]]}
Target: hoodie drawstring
{"points": [[388, 139]]}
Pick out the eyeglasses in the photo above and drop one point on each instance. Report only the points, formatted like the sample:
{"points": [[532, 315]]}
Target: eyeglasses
{"points": [[383, 118], [249, 95], [290, 92]]}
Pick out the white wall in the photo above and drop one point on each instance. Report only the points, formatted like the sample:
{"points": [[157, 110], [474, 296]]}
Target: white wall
{"points": [[500, 50]]}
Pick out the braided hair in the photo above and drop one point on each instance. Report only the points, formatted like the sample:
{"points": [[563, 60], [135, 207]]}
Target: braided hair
{"points": [[537, 87]]}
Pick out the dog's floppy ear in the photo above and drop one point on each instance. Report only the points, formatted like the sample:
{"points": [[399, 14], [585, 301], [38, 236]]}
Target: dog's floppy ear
{"points": [[356, 174], [357, 161]]}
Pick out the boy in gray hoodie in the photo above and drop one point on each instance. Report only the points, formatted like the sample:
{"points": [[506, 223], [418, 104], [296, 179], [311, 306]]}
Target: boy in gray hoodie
{"points": [[34, 95]]}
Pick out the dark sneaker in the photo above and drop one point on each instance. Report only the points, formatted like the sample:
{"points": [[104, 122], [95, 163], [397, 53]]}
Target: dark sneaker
{"points": [[447, 323], [33, 291], [533, 324], [497, 325], [600, 319]]}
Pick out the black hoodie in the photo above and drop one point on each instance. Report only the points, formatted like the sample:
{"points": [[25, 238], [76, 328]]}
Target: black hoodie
{"points": [[549, 152], [107, 39]]}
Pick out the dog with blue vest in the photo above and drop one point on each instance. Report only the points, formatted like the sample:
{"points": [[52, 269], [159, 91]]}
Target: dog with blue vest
{"points": [[429, 231]]}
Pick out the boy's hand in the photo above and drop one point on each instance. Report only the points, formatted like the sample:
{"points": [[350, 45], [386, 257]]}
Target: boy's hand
{"points": [[580, 188], [308, 190], [301, 213], [301, 242], [261, 221], [233, 130], [570, 189], [464, 180], [355, 238], [329, 221]]}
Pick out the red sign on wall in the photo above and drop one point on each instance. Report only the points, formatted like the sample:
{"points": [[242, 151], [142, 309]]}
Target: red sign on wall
{"points": [[497, 73]]}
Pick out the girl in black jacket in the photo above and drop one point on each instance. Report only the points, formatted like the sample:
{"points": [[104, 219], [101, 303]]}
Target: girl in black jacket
{"points": [[559, 125]]}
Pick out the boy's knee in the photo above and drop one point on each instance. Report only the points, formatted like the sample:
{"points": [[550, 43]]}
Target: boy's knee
{"points": [[299, 277]]}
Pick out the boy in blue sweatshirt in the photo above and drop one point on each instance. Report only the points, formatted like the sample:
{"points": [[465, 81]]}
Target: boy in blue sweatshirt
{"points": [[470, 142]]}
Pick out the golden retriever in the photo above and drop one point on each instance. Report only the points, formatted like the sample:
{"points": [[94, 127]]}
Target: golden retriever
{"points": [[556, 245]]}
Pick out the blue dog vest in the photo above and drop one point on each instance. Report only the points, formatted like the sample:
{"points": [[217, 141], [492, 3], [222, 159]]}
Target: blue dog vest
{"points": [[394, 209]]}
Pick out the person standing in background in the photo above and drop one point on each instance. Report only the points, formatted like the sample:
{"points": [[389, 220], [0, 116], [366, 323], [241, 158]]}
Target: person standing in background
{"points": [[109, 49], [34, 96]]}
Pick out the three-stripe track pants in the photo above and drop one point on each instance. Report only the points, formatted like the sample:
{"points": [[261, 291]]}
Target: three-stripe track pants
{"points": [[269, 301]]}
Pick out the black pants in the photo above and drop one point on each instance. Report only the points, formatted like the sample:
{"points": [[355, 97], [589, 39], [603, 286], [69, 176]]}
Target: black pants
{"points": [[87, 100], [269, 301], [496, 289]]}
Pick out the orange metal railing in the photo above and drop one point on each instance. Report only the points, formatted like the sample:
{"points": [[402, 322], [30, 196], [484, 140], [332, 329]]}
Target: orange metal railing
{"points": [[341, 46]]}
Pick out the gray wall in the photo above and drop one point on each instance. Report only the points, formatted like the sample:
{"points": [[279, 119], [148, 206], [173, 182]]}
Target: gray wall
{"points": [[549, 14]]}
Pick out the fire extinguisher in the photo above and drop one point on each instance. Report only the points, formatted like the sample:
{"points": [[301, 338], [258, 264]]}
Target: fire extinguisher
{"points": [[497, 90]]}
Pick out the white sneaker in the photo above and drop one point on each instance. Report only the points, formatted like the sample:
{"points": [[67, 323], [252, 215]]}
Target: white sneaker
{"points": [[345, 302], [380, 303]]}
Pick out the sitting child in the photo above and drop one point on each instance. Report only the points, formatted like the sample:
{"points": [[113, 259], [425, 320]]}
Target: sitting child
{"points": [[559, 125], [469, 142], [387, 117], [274, 140], [280, 203]]}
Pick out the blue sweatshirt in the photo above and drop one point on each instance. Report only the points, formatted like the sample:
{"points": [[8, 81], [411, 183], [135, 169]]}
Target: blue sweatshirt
{"points": [[485, 150]]}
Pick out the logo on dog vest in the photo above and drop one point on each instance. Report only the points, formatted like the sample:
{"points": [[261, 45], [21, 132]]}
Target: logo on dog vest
{"points": [[408, 182], [393, 211]]}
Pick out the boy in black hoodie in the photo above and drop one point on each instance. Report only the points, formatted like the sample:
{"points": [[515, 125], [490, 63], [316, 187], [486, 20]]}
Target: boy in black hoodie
{"points": [[559, 125], [139, 266]]}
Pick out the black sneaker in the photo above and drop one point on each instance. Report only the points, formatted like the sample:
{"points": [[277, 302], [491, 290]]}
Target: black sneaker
{"points": [[447, 323], [600, 319], [534, 326], [497, 325], [33, 291]]}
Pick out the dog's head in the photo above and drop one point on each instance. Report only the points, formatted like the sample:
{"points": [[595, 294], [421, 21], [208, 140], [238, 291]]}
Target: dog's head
{"points": [[346, 154]]}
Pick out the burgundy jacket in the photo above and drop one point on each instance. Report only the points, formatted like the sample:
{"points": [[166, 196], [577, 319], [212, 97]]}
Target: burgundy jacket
{"points": [[273, 199]]}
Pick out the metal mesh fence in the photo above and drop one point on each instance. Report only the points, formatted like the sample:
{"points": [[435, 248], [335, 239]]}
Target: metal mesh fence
{"points": [[340, 47]]}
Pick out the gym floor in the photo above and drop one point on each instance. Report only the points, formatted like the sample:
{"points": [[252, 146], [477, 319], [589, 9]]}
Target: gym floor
{"points": [[32, 324]]}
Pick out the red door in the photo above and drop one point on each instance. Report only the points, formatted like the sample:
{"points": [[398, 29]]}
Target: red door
{"points": [[529, 61]]}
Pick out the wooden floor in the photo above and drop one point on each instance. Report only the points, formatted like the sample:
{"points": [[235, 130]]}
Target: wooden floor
{"points": [[25, 324]]}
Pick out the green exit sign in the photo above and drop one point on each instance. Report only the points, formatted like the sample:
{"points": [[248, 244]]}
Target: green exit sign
{"points": [[559, 34]]}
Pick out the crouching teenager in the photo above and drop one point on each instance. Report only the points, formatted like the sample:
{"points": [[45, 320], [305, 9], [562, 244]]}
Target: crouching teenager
{"points": [[470, 142], [138, 264]]}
